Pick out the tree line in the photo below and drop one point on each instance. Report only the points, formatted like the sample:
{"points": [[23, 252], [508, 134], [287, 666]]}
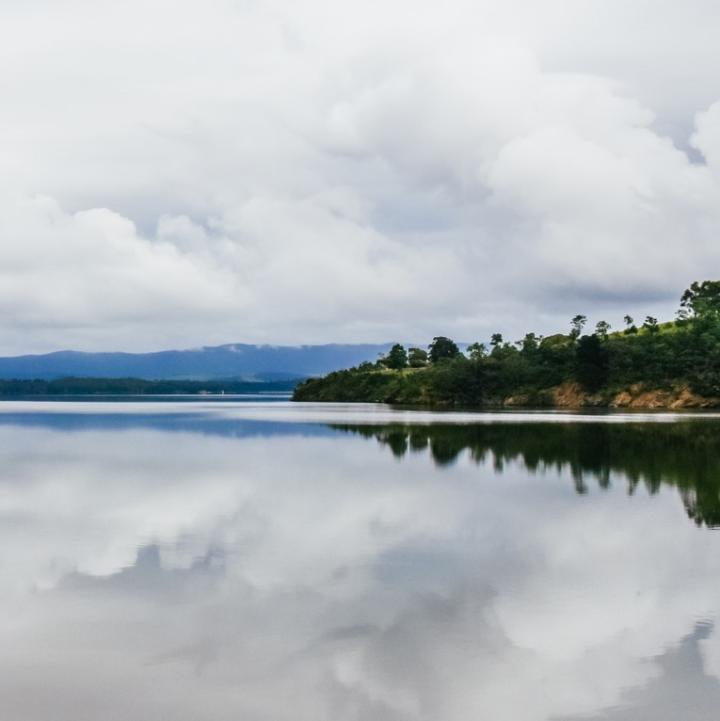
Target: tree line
{"points": [[654, 354], [135, 386]]}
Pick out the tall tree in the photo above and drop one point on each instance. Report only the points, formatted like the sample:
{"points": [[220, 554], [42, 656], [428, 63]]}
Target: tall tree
{"points": [[417, 358], [602, 329], [442, 348], [476, 351], [651, 324], [702, 300], [576, 326], [630, 327], [396, 358], [592, 363], [530, 343]]}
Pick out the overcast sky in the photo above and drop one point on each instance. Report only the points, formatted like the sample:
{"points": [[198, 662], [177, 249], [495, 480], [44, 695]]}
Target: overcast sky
{"points": [[180, 173]]}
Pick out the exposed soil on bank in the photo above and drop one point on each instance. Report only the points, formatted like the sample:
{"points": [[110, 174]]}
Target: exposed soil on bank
{"points": [[571, 395]]}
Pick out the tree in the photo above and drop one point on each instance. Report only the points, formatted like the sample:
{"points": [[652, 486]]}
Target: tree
{"points": [[602, 329], [631, 328], [651, 324], [530, 343], [702, 300], [442, 348], [591, 363], [576, 326], [417, 358], [496, 340], [476, 351], [397, 358]]}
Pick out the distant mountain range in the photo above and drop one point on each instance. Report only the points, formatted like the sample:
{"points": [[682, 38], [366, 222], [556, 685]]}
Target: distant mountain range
{"points": [[236, 361]]}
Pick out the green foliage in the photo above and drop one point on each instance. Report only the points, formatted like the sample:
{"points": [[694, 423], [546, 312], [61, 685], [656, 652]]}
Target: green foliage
{"points": [[442, 348], [477, 351], [576, 326], [681, 353], [417, 358], [396, 359], [592, 363], [702, 300], [651, 324], [602, 329]]}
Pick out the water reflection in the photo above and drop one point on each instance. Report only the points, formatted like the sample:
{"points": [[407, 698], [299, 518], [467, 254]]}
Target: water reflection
{"points": [[684, 454], [289, 571], [682, 676]]}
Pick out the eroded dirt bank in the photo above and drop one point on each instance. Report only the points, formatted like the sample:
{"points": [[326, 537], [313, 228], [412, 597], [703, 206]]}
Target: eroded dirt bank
{"points": [[571, 395]]}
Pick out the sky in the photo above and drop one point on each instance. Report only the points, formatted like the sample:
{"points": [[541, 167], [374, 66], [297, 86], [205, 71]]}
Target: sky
{"points": [[177, 174]]}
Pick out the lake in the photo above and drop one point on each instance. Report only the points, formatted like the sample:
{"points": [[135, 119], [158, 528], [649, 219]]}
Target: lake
{"points": [[270, 561]]}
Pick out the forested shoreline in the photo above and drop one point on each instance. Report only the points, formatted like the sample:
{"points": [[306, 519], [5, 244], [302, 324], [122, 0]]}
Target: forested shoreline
{"points": [[648, 364], [135, 386]]}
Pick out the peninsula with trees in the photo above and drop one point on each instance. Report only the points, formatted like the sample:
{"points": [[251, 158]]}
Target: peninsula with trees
{"points": [[645, 364]]}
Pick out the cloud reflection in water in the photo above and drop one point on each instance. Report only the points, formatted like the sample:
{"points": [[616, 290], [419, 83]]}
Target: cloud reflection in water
{"points": [[287, 572]]}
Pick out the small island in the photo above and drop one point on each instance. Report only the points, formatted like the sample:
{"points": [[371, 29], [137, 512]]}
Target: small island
{"points": [[672, 365]]}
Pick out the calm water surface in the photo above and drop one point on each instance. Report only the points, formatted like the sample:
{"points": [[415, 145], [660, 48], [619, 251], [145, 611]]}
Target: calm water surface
{"points": [[269, 561]]}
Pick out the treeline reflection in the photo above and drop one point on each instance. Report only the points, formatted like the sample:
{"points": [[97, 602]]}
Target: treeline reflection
{"points": [[685, 454]]}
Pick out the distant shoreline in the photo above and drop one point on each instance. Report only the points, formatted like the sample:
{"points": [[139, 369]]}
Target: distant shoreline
{"points": [[138, 387]]}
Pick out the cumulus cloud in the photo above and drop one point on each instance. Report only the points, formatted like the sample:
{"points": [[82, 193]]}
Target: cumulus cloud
{"points": [[254, 171]]}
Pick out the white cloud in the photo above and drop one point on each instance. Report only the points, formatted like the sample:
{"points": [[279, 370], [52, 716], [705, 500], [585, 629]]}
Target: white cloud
{"points": [[307, 172]]}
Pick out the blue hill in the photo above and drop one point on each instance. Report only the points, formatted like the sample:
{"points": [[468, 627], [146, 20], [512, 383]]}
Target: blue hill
{"points": [[249, 362]]}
